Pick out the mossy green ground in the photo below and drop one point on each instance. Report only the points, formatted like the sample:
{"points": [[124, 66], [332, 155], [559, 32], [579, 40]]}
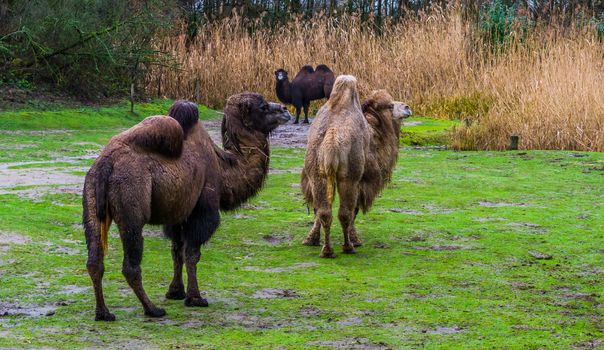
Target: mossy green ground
{"points": [[446, 262]]}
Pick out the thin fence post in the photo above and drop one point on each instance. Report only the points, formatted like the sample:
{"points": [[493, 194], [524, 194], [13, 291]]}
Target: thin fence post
{"points": [[514, 142]]}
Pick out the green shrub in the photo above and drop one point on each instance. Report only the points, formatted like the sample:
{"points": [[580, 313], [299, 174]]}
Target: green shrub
{"points": [[457, 107], [498, 22]]}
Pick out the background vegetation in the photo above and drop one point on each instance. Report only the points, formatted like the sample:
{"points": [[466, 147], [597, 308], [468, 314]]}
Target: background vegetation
{"points": [[528, 68]]}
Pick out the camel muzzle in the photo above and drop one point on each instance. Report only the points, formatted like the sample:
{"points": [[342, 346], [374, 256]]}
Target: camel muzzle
{"points": [[401, 110], [280, 112]]}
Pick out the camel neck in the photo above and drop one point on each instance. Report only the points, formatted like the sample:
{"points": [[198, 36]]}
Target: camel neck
{"points": [[244, 175], [283, 91]]}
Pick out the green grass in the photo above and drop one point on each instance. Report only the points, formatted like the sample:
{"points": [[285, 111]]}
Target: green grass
{"points": [[422, 131], [85, 118], [401, 290]]}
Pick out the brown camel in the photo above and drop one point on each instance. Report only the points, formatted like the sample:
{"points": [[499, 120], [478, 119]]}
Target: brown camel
{"points": [[308, 85], [168, 171], [383, 116]]}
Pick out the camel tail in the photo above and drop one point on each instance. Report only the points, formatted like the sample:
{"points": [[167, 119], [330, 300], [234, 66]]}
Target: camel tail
{"points": [[329, 162], [103, 216]]}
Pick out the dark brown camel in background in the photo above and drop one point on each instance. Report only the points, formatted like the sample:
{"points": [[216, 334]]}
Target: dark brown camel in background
{"points": [[308, 85], [168, 171], [383, 116]]}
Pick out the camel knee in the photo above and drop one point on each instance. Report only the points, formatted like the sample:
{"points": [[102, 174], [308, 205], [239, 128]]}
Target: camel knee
{"points": [[324, 216], [192, 256], [131, 272], [95, 267], [345, 216]]}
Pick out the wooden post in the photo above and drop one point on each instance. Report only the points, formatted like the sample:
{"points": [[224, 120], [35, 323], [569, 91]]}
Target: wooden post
{"points": [[198, 91], [514, 142], [132, 97], [161, 71]]}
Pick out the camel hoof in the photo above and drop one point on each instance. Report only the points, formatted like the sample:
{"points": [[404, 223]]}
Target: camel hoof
{"points": [[177, 294], [104, 316], [311, 242], [327, 253], [348, 250], [196, 302], [156, 312]]}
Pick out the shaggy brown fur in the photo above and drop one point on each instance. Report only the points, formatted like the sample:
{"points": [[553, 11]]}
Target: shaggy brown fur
{"points": [[384, 117], [138, 179], [308, 85]]}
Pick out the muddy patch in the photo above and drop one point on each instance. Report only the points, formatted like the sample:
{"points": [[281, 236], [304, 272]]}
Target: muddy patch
{"points": [[10, 238], [288, 135], [351, 321], [74, 289], [275, 293], [310, 311], [489, 219], [153, 232], [381, 245], [350, 343], [277, 238], [15, 309], [541, 256], [243, 217], [528, 227], [589, 344], [405, 211]]}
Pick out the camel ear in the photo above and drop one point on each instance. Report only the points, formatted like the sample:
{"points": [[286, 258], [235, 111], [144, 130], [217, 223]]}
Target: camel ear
{"points": [[246, 112]]}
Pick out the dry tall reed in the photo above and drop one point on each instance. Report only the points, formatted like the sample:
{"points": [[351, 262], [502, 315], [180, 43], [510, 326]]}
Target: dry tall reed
{"points": [[547, 88]]}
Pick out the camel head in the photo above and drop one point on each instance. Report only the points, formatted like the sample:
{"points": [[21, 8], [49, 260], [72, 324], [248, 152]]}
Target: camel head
{"points": [[345, 94], [186, 113], [252, 112], [382, 102], [281, 74]]}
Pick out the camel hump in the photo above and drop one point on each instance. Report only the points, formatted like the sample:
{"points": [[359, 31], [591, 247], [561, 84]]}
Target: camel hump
{"points": [[323, 68], [305, 70], [157, 134]]}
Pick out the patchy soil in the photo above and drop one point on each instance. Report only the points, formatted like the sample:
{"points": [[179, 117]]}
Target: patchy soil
{"points": [[8, 238], [275, 293], [16, 309], [350, 343], [277, 238], [287, 135]]}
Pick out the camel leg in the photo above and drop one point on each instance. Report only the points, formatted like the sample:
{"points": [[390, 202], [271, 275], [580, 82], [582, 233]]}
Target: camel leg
{"points": [[176, 291], [325, 217], [297, 114], [132, 241], [306, 104], [96, 269], [348, 191], [193, 297], [353, 235], [314, 236]]}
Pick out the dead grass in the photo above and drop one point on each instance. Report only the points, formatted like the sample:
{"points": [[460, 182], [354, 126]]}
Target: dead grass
{"points": [[547, 88]]}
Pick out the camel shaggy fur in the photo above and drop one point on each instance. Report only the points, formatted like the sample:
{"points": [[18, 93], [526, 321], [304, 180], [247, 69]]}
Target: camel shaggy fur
{"points": [[168, 171], [383, 116]]}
